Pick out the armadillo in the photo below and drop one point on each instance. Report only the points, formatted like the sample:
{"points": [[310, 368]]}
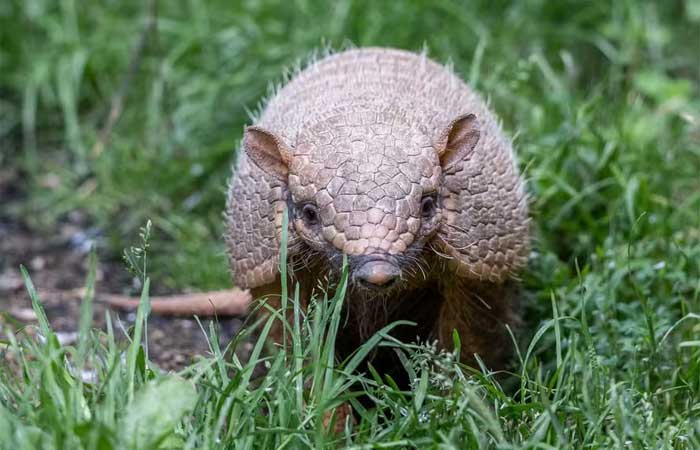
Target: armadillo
{"points": [[390, 159]]}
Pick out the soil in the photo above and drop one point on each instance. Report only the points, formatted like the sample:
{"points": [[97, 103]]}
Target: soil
{"points": [[57, 264]]}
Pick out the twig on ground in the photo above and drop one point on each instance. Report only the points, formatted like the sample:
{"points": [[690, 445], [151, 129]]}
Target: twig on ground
{"points": [[231, 302]]}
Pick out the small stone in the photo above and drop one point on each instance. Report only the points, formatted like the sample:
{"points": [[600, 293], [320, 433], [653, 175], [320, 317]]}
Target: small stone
{"points": [[37, 263], [67, 337], [24, 314], [10, 280]]}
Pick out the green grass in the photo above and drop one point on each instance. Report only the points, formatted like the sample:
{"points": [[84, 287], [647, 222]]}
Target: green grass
{"points": [[604, 102]]}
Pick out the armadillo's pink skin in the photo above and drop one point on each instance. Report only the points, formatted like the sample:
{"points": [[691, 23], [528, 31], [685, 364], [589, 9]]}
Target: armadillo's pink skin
{"points": [[364, 127]]}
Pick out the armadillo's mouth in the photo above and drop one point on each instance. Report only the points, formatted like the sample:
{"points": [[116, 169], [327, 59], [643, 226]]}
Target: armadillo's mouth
{"points": [[376, 272]]}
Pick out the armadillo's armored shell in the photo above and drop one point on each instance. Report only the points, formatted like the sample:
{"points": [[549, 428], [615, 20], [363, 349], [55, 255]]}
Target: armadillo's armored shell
{"points": [[484, 203], [254, 210], [484, 232]]}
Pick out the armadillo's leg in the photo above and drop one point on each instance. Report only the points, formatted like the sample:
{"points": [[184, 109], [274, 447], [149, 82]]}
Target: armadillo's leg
{"points": [[271, 295], [479, 312]]}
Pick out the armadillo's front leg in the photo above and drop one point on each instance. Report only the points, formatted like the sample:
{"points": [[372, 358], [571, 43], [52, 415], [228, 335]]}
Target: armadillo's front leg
{"points": [[271, 295], [479, 312]]}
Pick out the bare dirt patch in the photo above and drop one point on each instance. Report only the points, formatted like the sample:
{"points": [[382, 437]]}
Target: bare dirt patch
{"points": [[57, 264]]}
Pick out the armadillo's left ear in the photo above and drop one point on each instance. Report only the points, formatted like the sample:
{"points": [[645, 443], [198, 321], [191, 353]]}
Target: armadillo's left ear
{"points": [[268, 152], [457, 140]]}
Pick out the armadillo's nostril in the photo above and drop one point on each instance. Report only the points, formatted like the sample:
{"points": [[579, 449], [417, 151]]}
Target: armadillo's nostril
{"points": [[378, 273]]}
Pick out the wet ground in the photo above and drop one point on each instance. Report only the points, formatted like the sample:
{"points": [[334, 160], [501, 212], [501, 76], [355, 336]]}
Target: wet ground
{"points": [[57, 263]]}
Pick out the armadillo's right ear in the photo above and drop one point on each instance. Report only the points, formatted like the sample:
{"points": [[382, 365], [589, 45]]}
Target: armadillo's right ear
{"points": [[268, 152], [458, 140]]}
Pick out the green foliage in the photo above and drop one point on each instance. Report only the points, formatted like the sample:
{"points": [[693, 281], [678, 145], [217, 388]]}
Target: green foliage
{"points": [[136, 257], [609, 385], [603, 100], [601, 95]]}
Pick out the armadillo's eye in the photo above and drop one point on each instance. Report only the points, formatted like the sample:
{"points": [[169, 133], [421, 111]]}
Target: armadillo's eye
{"points": [[309, 213], [427, 206]]}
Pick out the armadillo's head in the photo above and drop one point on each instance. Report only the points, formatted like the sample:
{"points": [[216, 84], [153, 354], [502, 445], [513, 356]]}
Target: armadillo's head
{"points": [[370, 191]]}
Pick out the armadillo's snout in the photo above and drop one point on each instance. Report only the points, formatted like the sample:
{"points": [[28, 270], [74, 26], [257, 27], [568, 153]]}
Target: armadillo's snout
{"points": [[377, 274]]}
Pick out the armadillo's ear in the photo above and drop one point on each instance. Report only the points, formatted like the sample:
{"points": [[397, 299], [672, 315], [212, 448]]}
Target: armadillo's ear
{"points": [[457, 140], [267, 151], [484, 211]]}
